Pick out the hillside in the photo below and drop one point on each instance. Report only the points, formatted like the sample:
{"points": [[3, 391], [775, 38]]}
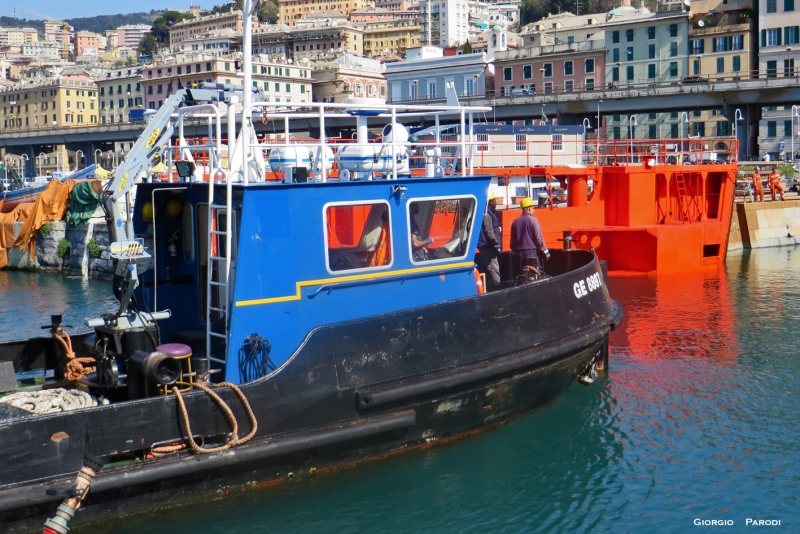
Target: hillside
{"points": [[93, 24]]}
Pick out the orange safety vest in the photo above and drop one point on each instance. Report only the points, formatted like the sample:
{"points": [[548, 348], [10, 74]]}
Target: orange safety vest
{"points": [[774, 179], [757, 181]]}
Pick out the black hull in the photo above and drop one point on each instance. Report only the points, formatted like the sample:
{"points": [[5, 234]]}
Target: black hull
{"points": [[360, 390]]}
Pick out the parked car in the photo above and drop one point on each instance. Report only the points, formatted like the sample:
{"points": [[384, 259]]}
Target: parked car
{"points": [[694, 79], [521, 92], [744, 189]]}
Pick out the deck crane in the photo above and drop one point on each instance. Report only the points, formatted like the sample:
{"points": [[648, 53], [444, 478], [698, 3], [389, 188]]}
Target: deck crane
{"points": [[65, 28], [128, 253]]}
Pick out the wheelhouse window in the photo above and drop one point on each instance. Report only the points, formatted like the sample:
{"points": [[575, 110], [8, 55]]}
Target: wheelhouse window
{"points": [[439, 229], [358, 236]]}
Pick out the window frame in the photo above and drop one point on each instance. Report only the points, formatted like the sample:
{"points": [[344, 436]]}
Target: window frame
{"points": [[325, 235], [467, 249]]}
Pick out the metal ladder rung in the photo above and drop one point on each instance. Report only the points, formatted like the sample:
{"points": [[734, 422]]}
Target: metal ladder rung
{"points": [[218, 284], [218, 258], [215, 334], [219, 206], [214, 308], [219, 232], [216, 360]]}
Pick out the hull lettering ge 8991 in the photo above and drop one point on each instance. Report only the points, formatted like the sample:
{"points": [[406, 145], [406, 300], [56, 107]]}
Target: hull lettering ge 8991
{"points": [[582, 288]]}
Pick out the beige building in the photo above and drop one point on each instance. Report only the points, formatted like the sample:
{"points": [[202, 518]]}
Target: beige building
{"points": [[119, 91], [189, 29], [278, 81], [291, 11], [130, 35], [313, 43], [348, 76], [723, 51], [67, 101], [390, 36], [17, 36]]}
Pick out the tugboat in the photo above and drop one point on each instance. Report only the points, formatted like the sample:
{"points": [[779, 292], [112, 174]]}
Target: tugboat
{"points": [[268, 329]]}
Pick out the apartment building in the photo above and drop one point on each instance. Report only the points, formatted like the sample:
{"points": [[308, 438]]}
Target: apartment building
{"points": [[279, 81], [41, 49], [450, 20], [291, 11], [119, 91], [646, 47], [217, 43], [66, 101], [313, 43], [193, 28], [390, 36], [83, 40], [722, 49], [426, 71], [130, 35], [18, 36], [348, 76], [564, 67], [374, 14], [563, 28]]}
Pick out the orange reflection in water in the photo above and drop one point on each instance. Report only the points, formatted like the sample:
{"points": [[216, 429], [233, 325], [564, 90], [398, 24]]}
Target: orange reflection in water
{"points": [[685, 315]]}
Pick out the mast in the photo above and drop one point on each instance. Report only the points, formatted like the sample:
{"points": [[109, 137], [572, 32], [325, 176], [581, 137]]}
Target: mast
{"points": [[247, 52]]}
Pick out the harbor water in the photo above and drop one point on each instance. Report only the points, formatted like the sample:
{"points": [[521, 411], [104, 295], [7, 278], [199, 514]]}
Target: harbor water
{"points": [[696, 421]]}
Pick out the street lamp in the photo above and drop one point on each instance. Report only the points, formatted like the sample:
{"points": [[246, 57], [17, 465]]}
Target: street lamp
{"points": [[39, 157], [78, 161], [737, 116], [632, 122], [597, 150], [25, 156], [794, 115], [98, 151], [112, 157]]}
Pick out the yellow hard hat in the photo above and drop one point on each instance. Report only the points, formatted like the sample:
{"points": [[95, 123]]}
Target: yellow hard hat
{"points": [[174, 208], [527, 202], [491, 196], [147, 212]]}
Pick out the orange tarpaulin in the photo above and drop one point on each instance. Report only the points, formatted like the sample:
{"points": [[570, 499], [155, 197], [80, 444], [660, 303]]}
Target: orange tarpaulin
{"points": [[50, 205]]}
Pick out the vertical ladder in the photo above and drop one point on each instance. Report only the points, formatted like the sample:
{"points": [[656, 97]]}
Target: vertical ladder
{"points": [[683, 199], [218, 281]]}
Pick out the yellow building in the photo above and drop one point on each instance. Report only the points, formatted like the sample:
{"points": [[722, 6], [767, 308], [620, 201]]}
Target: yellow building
{"points": [[291, 11], [70, 101], [192, 28], [724, 51], [394, 36]]}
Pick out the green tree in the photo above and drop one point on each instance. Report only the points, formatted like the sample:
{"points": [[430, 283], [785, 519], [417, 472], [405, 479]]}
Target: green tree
{"points": [[267, 11], [467, 48], [148, 45], [161, 26]]}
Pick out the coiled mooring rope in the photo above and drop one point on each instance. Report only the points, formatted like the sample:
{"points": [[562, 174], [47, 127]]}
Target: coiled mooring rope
{"points": [[50, 400], [233, 438], [76, 368]]}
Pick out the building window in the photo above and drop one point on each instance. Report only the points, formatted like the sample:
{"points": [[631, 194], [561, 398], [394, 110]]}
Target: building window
{"points": [[790, 35], [629, 54], [772, 69], [772, 128], [787, 128], [615, 55], [696, 67], [773, 37], [617, 132], [673, 30], [507, 75], [557, 142], [520, 142], [629, 73], [527, 73], [673, 131], [358, 236], [673, 68], [698, 46], [615, 74], [651, 51], [788, 5], [788, 67], [629, 35], [651, 131], [569, 86], [447, 222], [548, 87], [737, 42], [700, 129], [548, 70], [589, 66], [720, 65], [651, 71], [673, 49], [568, 68], [590, 84], [651, 32], [469, 87], [484, 140], [737, 63], [615, 36]]}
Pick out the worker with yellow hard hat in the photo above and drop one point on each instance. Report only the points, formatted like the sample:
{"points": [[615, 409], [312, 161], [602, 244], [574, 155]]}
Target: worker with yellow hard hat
{"points": [[527, 243]]}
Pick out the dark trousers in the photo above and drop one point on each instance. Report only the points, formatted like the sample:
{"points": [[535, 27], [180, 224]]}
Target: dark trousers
{"points": [[523, 258], [488, 264]]}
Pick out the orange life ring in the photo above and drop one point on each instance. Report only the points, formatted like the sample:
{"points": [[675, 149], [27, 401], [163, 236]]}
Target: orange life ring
{"points": [[479, 282]]}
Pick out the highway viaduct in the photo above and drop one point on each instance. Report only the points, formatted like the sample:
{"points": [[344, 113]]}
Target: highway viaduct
{"points": [[748, 96]]}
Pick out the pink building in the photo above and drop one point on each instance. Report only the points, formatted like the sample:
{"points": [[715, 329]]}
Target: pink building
{"points": [[83, 40], [567, 67]]}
